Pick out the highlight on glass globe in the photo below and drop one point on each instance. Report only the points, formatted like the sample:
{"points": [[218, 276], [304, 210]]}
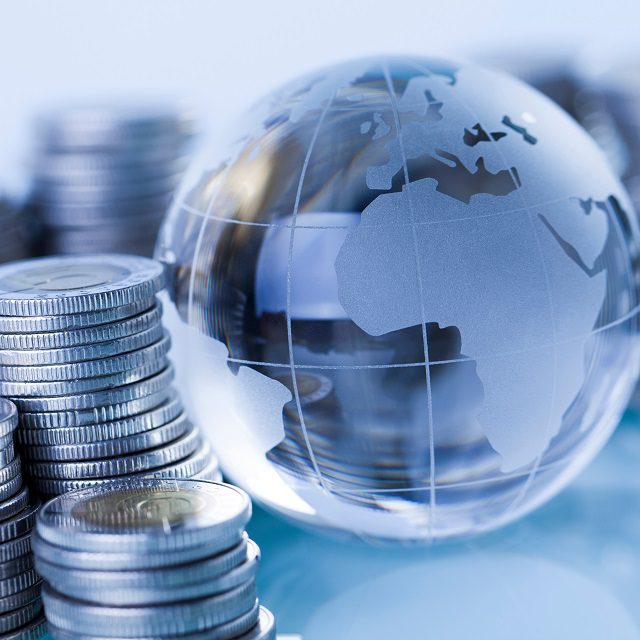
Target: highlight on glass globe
{"points": [[408, 290]]}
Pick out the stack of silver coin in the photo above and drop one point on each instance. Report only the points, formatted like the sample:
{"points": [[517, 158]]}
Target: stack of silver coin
{"points": [[20, 603], [151, 559], [104, 177], [84, 356], [13, 241]]}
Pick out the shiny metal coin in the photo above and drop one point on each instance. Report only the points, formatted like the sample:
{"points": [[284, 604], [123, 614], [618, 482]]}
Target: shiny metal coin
{"points": [[145, 515], [10, 488], [100, 588], [122, 446], [7, 454], [152, 345], [18, 390], [60, 286], [152, 418], [134, 560], [211, 472], [264, 630], [16, 566], [98, 399], [21, 599], [180, 448], [19, 525], [165, 620], [35, 324], [15, 548], [15, 504], [8, 417], [110, 414], [20, 617], [34, 630], [15, 584], [233, 630], [186, 468]]}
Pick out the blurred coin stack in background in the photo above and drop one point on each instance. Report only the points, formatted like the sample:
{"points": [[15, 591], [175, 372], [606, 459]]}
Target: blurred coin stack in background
{"points": [[13, 241], [151, 559], [20, 603], [84, 356], [104, 177]]}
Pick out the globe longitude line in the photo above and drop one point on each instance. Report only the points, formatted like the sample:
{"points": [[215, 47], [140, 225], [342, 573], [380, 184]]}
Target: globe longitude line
{"points": [[425, 342], [534, 468], [294, 216]]}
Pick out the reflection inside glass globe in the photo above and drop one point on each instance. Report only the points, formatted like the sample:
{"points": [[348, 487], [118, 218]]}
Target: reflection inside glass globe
{"points": [[410, 295]]}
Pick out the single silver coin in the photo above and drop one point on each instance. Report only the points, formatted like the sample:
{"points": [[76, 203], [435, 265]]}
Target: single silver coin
{"points": [[103, 589], [72, 321], [189, 467], [18, 390], [16, 566], [164, 620], [134, 560], [98, 399], [122, 446], [126, 412], [152, 418], [21, 582], [33, 630], [145, 515], [134, 463], [228, 631], [12, 620], [177, 575], [10, 488], [60, 286], [19, 525], [15, 504], [8, 417], [25, 361], [14, 549], [48, 340], [21, 599]]}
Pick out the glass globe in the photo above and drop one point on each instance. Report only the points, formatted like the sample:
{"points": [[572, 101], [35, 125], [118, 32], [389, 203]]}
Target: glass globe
{"points": [[408, 299]]}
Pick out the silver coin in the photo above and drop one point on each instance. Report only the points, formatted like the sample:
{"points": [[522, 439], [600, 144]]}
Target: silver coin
{"points": [[134, 463], [20, 617], [11, 487], [18, 390], [81, 366], [153, 418], [19, 525], [60, 286], [8, 417], [16, 566], [134, 560], [165, 620], [122, 446], [98, 590], [177, 575], [233, 630], [116, 411], [15, 504], [15, 548], [211, 472], [34, 630], [102, 398], [21, 599], [15, 584], [186, 468], [50, 340], [265, 629], [34, 324], [139, 514], [7, 454]]}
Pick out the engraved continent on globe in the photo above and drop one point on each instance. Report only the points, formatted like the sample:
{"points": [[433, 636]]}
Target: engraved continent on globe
{"points": [[408, 299]]}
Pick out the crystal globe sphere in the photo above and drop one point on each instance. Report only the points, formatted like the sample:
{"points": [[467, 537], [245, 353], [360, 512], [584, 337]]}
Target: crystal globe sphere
{"points": [[407, 294]]}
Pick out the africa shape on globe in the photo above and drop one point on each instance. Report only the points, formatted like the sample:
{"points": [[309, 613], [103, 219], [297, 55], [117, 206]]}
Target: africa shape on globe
{"points": [[408, 298]]}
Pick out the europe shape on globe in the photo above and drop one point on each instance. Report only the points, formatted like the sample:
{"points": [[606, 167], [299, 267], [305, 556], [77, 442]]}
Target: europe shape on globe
{"points": [[408, 291]]}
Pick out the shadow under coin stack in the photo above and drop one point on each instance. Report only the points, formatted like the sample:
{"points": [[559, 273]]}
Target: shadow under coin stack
{"points": [[151, 559], [84, 356], [20, 604], [13, 243], [104, 177]]}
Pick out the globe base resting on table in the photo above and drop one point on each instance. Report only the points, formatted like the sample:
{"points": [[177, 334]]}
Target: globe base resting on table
{"points": [[408, 300]]}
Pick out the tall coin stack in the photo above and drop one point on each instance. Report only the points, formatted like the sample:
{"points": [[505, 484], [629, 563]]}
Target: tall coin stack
{"points": [[84, 356], [20, 603], [13, 244], [151, 559], [104, 177]]}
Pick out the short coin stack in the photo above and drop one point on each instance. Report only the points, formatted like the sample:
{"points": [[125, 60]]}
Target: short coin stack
{"points": [[104, 177], [84, 356], [151, 559], [13, 244], [20, 604]]}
